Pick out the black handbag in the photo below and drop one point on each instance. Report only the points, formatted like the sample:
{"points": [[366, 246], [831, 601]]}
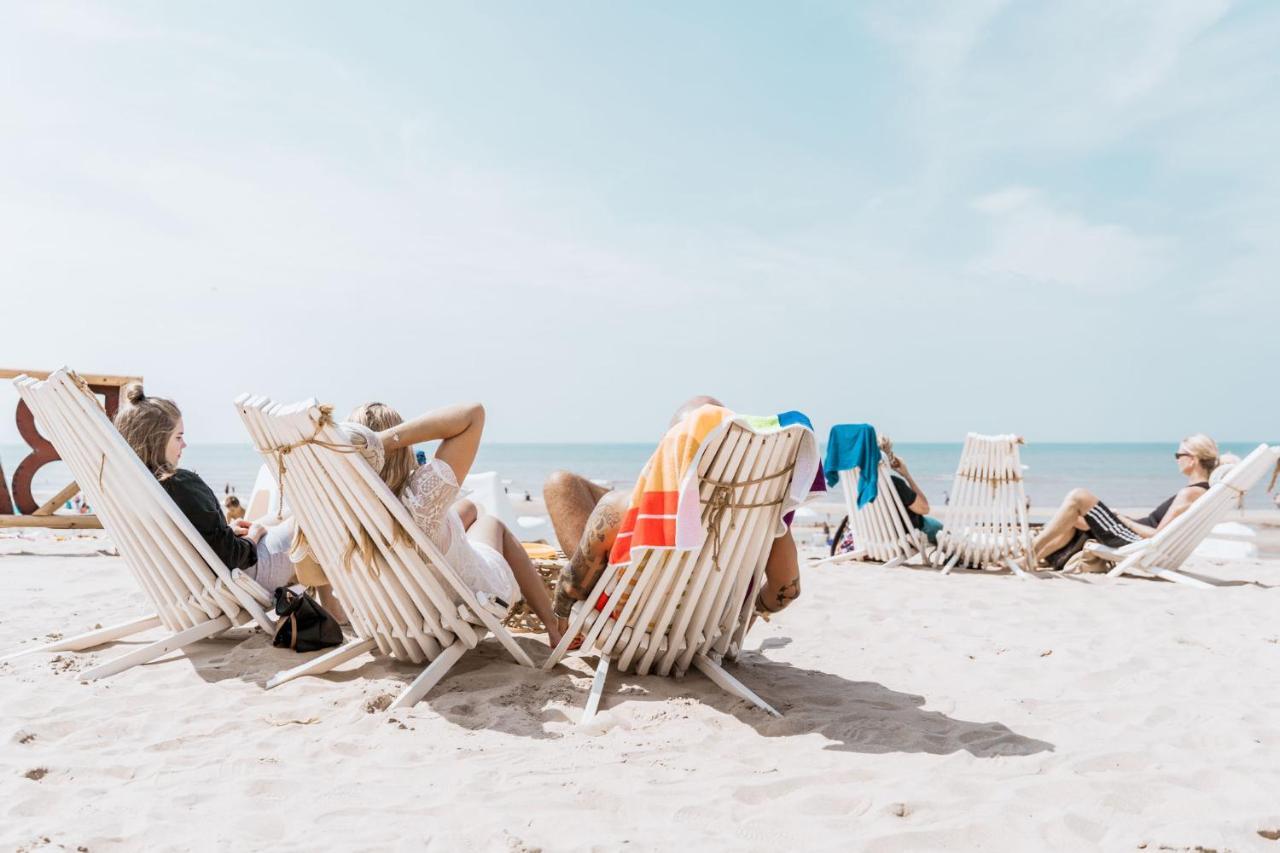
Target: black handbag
{"points": [[304, 625]]}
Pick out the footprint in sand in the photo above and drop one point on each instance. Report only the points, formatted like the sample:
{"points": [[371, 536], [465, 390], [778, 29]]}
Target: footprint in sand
{"points": [[378, 703], [36, 774]]}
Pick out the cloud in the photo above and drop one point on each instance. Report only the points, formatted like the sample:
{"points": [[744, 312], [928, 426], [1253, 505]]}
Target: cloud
{"points": [[1034, 241]]}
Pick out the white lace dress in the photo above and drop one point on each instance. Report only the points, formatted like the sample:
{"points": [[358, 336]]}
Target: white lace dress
{"points": [[429, 495]]}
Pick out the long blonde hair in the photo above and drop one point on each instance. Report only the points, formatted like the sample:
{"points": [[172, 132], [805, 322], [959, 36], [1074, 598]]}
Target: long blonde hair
{"points": [[1204, 449], [147, 424], [399, 464]]}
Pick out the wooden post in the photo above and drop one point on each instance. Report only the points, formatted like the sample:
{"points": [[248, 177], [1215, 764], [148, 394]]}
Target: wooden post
{"points": [[30, 514]]}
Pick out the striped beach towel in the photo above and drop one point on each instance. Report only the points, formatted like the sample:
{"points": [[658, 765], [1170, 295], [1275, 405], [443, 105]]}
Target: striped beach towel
{"points": [[665, 511]]}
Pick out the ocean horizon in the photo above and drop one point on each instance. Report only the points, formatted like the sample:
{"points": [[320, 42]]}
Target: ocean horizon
{"points": [[1123, 474]]}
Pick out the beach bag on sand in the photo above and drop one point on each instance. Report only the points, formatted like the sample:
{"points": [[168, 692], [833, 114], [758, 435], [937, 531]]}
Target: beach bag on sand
{"points": [[1058, 559], [1084, 563], [304, 625]]}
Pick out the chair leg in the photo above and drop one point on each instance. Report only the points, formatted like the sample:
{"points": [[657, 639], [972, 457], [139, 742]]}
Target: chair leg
{"points": [[430, 676], [597, 690], [323, 663], [89, 639], [728, 683], [1179, 577], [155, 650], [1016, 568], [841, 558]]}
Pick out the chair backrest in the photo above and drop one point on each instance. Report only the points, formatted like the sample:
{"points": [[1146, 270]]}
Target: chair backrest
{"points": [[671, 605], [986, 521], [176, 568], [882, 527], [1173, 544], [396, 586]]}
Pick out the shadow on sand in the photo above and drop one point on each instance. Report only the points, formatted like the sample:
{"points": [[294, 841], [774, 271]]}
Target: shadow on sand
{"points": [[487, 690]]}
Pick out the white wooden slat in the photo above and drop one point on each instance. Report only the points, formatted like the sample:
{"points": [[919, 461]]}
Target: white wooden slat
{"points": [[145, 489]]}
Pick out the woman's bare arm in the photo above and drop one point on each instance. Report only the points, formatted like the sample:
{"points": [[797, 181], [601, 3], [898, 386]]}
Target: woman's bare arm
{"points": [[458, 429]]}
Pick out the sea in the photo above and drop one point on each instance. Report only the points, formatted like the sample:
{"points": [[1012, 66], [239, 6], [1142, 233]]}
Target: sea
{"points": [[1123, 474]]}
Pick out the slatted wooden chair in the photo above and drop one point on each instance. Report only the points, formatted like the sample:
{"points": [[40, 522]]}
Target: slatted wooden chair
{"points": [[666, 610], [882, 530], [986, 521], [194, 594], [403, 598], [1165, 552]]}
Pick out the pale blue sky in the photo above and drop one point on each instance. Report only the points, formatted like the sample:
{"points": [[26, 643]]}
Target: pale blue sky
{"points": [[1056, 219]]}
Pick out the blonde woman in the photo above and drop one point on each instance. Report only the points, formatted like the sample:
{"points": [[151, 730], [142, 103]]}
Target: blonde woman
{"points": [[1081, 511], [485, 554], [153, 427]]}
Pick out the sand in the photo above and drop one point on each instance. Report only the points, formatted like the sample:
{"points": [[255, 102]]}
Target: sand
{"points": [[921, 713]]}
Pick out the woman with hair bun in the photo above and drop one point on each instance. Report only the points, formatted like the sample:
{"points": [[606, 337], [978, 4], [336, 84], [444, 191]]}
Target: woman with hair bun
{"points": [[153, 428], [1082, 513]]}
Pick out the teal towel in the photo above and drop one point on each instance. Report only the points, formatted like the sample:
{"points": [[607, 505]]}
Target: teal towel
{"points": [[852, 446]]}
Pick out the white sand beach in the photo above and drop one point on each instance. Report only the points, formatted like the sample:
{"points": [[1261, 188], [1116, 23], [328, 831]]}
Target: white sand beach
{"points": [[921, 713]]}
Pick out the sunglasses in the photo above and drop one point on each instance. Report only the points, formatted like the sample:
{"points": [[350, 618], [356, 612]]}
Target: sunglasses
{"points": [[1181, 453]]}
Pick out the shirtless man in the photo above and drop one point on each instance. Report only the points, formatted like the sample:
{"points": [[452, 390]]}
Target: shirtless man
{"points": [[586, 518]]}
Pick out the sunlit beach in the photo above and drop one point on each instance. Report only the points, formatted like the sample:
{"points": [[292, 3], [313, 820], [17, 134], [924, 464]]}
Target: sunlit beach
{"points": [[651, 427]]}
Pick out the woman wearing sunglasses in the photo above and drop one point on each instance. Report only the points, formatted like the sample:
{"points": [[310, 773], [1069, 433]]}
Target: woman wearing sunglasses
{"points": [[1081, 511]]}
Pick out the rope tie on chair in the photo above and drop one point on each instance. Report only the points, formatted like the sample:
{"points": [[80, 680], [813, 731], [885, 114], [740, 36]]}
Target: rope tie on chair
{"points": [[283, 450], [721, 501]]}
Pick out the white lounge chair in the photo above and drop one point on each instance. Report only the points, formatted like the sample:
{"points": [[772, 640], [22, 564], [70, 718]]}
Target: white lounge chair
{"points": [[882, 530], [402, 597], [986, 521], [680, 608], [1166, 551], [194, 594], [485, 491]]}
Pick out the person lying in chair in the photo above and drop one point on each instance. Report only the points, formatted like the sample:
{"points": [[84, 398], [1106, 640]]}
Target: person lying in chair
{"points": [[909, 492], [154, 428], [586, 518], [1082, 515], [486, 555]]}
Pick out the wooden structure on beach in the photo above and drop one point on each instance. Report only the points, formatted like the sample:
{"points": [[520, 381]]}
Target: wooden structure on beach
{"points": [[18, 507]]}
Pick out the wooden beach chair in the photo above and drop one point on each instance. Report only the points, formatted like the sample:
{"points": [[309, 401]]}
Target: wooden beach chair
{"points": [[403, 598], [882, 530], [665, 610], [1162, 554], [986, 521], [194, 594]]}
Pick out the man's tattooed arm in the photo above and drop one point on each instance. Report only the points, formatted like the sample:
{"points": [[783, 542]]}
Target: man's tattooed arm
{"points": [[584, 568], [787, 593]]}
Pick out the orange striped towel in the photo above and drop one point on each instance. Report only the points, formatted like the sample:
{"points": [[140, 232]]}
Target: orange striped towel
{"points": [[664, 511]]}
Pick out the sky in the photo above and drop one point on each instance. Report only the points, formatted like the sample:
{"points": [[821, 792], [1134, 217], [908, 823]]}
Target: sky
{"points": [[1061, 220]]}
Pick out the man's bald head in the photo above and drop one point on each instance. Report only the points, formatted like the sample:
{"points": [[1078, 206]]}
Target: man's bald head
{"points": [[693, 403]]}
